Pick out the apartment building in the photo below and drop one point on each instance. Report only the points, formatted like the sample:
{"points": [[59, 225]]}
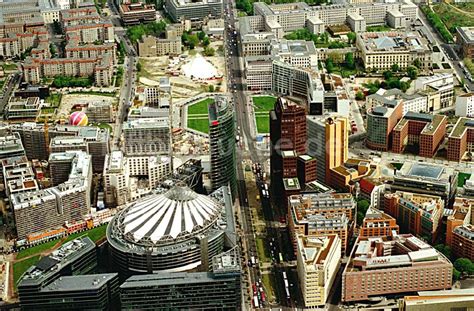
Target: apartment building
{"points": [[137, 13], [378, 224], [19, 178], [392, 265], [116, 184], [461, 214], [77, 16], [147, 136], [461, 139], [317, 264], [463, 241], [465, 105], [91, 32], [193, 10], [34, 69], [425, 130], [16, 38], [418, 214], [46, 209], [379, 51], [465, 38]]}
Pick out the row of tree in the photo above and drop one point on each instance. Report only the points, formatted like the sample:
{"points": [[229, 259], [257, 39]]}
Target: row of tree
{"points": [[320, 40], [437, 23], [63, 81], [155, 29]]}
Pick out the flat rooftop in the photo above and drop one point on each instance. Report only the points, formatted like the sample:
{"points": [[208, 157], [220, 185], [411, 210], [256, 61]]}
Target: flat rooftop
{"points": [[393, 42], [79, 282], [467, 33], [461, 127]]}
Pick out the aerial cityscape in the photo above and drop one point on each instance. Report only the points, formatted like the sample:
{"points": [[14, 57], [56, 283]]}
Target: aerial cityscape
{"points": [[237, 155]]}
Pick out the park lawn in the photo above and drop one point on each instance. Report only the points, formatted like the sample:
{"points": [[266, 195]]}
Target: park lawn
{"points": [[200, 107], [267, 281], [263, 103], [20, 267], [261, 250], [9, 66], [452, 18], [201, 125], [462, 177], [263, 124], [95, 234], [36, 249]]}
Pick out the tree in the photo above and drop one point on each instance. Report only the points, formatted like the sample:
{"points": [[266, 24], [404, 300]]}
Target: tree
{"points": [[201, 35], [412, 72], [351, 37], [360, 95], [417, 63], [349, 58], [139, 67], [445, 250], [211, 88], [404, 86], [206, 41], [387, 75], [52, 50], [464, 265], [456, 274], [329, 65], [208, 51], [395, 67]]}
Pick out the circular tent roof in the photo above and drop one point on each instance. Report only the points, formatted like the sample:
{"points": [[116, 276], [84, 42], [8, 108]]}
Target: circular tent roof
{"points": [[174, 214], [199, 68]]}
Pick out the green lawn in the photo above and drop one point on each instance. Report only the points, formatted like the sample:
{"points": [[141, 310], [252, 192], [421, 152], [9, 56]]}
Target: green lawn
{"points": [[200, 107], [261, 250], [462, 177], [201, 125], [378, 28], [453, 18], [54, 99], [20, 267], [9, 67], [36, 249], [263, 103], [397, 165], [105, 126], [263, 124]]}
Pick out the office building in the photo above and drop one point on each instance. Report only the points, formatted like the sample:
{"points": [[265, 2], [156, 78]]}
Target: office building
{"points": [[147, 136], [424, 130], [380, 123], [442, 83], [194, 228], [21, 110], [328, 140], [145, 112], [258, 72], [424, 178], [440, 300], [99, 112], [465, 105], [216, 290], [417, 102], [11, 146], [60, 275], [46, 209], [152, 47], [377, 223], [321, 214], [461, 140], [418, 214], [372, 189], [465, 39], [317, 264], [19, 178], [288, 137], [195, 11], [393, 265], [306, 169], [222, 144], [380, 50], [137, 13]]}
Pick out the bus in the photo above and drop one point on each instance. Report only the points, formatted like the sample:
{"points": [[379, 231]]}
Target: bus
{"points": [[255, 301], [252, 259], [281, 258]]}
